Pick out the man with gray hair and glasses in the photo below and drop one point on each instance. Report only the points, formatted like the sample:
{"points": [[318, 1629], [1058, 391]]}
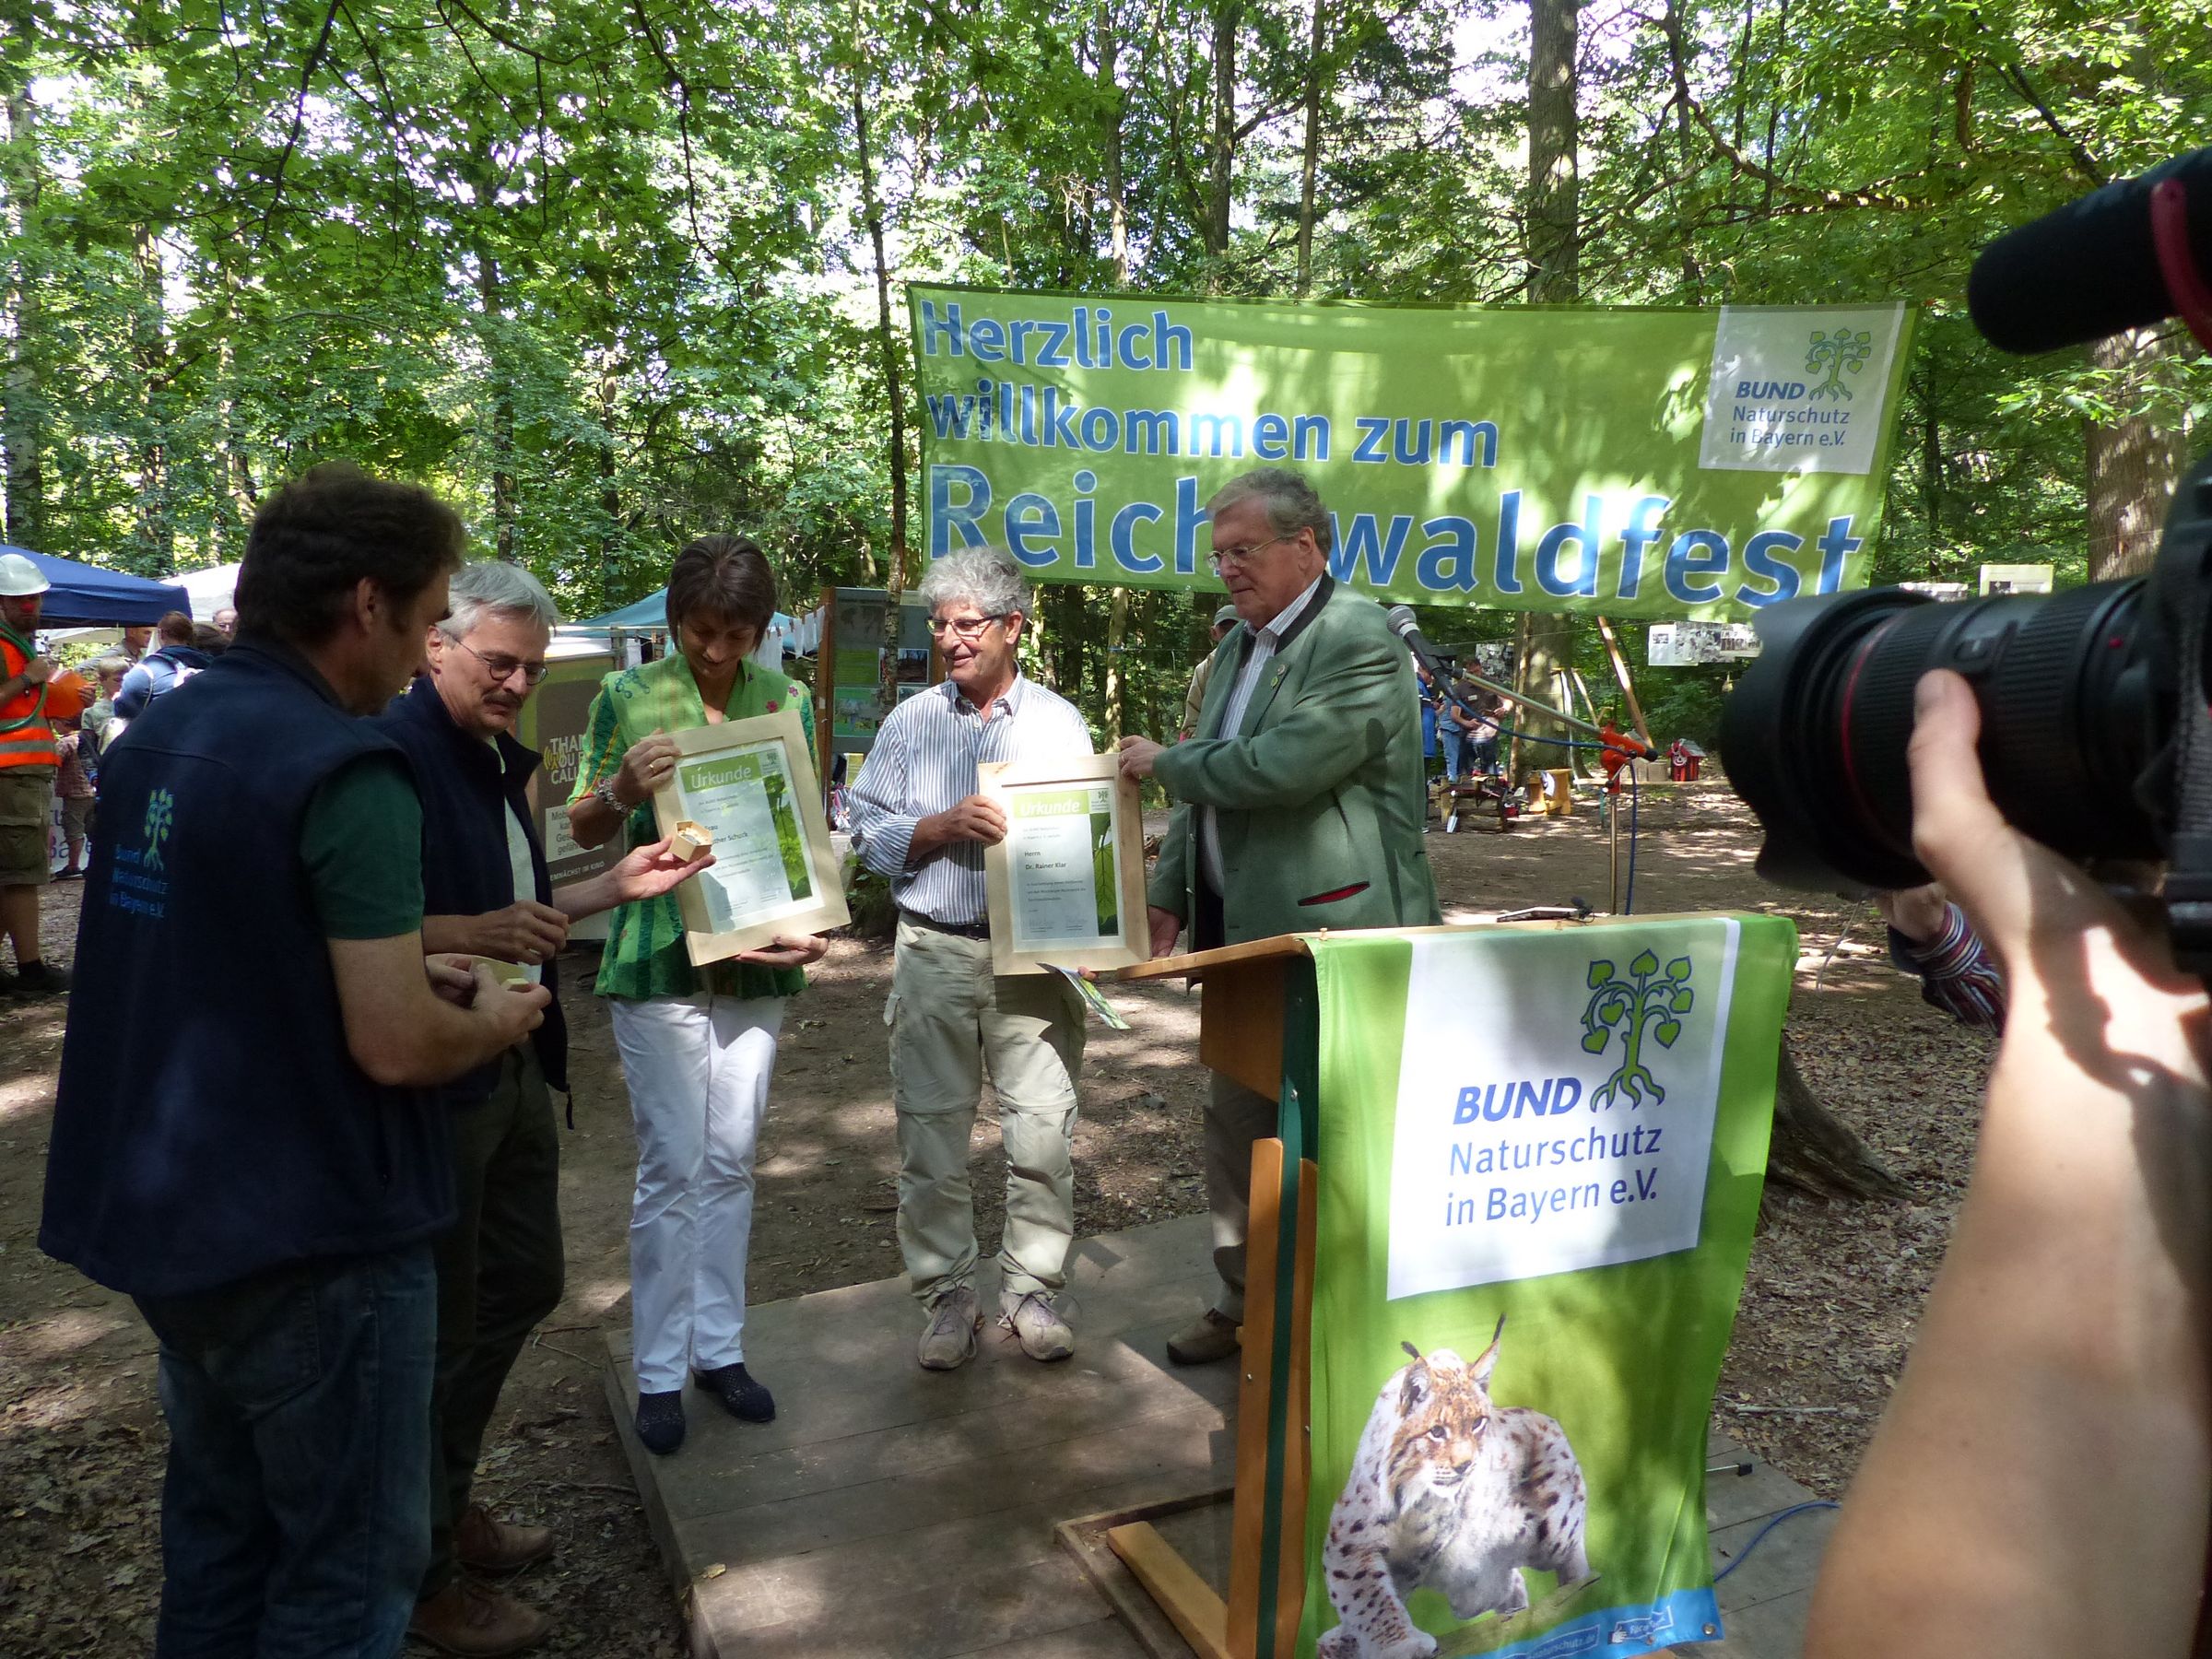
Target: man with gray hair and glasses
{"points": [[1299, 804], [918, 820], [486, 893]]}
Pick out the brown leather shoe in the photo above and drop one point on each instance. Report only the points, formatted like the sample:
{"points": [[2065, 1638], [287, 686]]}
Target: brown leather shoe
{"points": [[486, 1544], [1207, 1338], [475, 1623]]}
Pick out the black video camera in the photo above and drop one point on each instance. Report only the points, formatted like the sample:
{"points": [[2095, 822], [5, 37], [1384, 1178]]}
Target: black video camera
{"points": [[2095, 740]]}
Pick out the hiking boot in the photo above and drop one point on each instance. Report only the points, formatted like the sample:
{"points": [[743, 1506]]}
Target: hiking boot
{"points": [[741, 1396], [661, 1421], [476, 1623], [949, 1342], [1033, 1319], [1210, 1337], [485, 1543], [39, 979]]}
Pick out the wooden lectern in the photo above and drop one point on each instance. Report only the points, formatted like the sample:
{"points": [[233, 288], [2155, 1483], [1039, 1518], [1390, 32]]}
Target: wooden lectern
{"points": [[1258, 1024]]}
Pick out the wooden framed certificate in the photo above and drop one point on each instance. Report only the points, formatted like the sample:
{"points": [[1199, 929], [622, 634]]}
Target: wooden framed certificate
{"points": [[749, 785], [1066, 887]]}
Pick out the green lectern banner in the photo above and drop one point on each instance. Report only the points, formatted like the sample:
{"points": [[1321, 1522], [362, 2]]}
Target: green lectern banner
{"points": [[1540, 1160], [1637, 461]]}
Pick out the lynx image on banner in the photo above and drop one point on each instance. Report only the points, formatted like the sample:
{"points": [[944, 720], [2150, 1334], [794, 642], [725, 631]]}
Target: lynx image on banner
{"points": [[1540, 1158], [1644, 463]]}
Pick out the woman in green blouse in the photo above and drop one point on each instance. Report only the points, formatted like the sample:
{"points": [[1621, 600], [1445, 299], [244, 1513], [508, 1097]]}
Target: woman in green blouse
{"points": [[697, 1044]]}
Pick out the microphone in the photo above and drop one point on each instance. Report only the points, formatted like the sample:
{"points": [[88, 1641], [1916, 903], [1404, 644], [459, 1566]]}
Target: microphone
{"points": [[1407, 626], [2090, 269]]}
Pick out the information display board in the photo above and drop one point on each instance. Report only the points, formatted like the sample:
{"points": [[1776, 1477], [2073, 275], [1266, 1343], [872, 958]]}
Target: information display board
{"points": [[1066, 887], [750, 784]]}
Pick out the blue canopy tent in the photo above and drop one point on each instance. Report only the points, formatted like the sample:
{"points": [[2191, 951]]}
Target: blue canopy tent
{"points": [[84, 594], [650, 614]]}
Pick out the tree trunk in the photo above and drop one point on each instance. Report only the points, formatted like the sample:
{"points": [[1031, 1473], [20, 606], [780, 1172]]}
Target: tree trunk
{"points": [[610, 494], [1554, 251], [1814, 1153], [503, 410], [1554, 158], [2133, 464], [1117, 676], [1310, 161], [1931, 471], [887, 354], [1221, 147], [1116, 108], [149, 329], [22, 402]]}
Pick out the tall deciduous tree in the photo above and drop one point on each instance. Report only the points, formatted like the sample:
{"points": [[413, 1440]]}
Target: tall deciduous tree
{"points": [[1554, 235]]}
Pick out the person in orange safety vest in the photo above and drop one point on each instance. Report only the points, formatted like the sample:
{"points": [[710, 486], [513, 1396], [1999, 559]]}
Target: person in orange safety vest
{"points": [[34, 692]]}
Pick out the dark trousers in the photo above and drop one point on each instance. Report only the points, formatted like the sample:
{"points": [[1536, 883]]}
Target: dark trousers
{"points": [[499, 1273], [293, 1514]]}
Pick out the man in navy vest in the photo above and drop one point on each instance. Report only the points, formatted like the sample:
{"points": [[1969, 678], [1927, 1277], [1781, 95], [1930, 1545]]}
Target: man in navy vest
{"points": [[487, 893], [244, 1140]]}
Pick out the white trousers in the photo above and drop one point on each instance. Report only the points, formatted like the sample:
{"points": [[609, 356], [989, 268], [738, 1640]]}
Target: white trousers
{"points": [[698, 1069]]}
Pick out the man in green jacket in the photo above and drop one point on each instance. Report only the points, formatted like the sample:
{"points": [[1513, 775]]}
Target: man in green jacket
{"points": [[1299, 804]]}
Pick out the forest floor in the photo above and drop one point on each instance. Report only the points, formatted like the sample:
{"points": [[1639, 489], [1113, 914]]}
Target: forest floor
{"points": [[1828, 1310]]}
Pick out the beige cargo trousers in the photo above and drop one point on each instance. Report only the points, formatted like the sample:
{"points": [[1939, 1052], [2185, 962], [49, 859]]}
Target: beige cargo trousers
{"points": [[952, 1019]]}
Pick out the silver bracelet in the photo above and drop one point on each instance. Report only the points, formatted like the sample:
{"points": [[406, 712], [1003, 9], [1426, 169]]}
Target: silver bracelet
{"points": [[605, 790]]}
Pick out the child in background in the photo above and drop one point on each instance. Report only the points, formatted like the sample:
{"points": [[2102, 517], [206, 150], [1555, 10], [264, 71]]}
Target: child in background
{"points": [[73, 789]]}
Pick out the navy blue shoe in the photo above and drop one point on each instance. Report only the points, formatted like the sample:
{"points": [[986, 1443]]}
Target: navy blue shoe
{"points": [[661, 1421], [740, 1395]]}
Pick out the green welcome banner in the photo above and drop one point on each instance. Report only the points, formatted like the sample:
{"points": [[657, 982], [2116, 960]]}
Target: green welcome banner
{"points": [[1540, 1158], [1639, 463]]}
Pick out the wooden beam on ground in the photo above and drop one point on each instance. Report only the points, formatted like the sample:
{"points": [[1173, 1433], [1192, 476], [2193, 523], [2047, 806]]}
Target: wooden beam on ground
{"points": [[1186, 1598]]}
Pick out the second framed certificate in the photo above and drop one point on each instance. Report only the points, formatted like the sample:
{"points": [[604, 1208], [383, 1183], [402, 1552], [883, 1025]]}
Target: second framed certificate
{"points": [[749, 786], [1066, 887]]}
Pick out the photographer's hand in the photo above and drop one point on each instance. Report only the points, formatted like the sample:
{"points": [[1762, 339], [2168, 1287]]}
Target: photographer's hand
{"points": [[2041, 1481]]}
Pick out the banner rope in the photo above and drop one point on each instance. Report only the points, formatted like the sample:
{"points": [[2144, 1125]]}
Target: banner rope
{"points": [[1772, 1522]]}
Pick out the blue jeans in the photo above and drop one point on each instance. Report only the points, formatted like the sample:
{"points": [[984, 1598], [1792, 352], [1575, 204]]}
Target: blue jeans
{"points": [[295, 1514], [1456, 738]]}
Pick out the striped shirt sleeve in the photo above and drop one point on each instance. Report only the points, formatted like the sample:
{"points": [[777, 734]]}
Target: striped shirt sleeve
{"points": [[1956, 972], [883, 831]]}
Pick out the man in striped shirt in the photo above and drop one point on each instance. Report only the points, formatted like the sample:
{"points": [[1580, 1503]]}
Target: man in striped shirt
{"points": [[918, 820]]}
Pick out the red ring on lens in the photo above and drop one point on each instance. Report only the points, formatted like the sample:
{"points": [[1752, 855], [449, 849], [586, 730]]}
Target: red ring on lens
{"points": [[1850, 690]]}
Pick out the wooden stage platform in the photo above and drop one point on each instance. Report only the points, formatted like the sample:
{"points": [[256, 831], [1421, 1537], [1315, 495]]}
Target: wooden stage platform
{"points": [[891, 1512]]}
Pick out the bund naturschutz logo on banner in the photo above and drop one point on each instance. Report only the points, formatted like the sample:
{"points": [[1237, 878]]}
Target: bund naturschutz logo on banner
{"points": [[1577, 1132]]}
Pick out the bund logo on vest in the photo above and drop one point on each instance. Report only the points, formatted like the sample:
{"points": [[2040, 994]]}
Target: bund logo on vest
{"points": [[1578, 1135], [138, 882]]}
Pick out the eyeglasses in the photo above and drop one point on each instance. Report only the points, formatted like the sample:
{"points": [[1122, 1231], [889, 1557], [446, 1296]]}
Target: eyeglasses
{"points": [[501, 668], [1240, 556], [966, 628]]}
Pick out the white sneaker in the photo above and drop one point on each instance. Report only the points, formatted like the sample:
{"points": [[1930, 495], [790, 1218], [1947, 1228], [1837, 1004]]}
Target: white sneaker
{"points": [[949, 1342], [1032, 1318]]}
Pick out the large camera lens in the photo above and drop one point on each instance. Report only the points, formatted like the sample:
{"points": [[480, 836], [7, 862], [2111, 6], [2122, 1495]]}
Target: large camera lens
{"points": [[1814, 737]]}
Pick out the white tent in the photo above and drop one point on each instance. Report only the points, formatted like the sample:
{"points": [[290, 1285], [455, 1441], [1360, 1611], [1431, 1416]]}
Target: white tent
{"points": [[211, 590]]}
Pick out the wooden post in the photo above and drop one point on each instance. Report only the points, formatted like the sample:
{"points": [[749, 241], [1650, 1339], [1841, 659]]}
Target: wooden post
{"points": [[1248, 1521], [1298, 1452], [1628, 691]]}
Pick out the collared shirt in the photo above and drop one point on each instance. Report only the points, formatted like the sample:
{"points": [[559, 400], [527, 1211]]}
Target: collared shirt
{"points": [[1264, 640], [924, 762], [518, 861], [1956, 972]]}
